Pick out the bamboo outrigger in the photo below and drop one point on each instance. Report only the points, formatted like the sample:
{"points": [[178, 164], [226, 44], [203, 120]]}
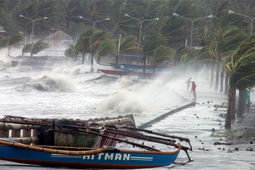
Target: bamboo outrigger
{"points": [[97, 157]]}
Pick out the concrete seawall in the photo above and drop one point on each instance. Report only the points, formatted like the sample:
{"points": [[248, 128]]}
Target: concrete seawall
{"points": [[163, 116]]}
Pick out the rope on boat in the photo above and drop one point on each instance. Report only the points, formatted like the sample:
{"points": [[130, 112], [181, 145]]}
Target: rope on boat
{"points": [[55, 151]]}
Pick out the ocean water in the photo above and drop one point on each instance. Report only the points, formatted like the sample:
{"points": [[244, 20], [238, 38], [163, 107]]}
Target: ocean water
{"points": [[69, 90]]}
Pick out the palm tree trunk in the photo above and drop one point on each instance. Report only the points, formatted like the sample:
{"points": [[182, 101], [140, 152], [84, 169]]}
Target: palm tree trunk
{"points": [[91, 63], [116, 60], [217, 76], [83, 56], [231, 107], [9, 50], [240, 109], [154, 65], [226, 84], [98, 59], [221, 80], [76, 57], [144, 63], [212, 73]]}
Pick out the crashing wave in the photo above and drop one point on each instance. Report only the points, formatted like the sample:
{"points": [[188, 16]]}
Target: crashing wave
{"points": [[52, 83]]}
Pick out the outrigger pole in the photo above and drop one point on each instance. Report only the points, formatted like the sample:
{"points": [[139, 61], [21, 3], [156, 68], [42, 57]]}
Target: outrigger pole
{"points": [[94, 130], [152, 132]]}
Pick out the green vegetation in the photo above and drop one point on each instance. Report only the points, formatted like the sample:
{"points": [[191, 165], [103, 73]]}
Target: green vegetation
{"points": [[167, 30]]}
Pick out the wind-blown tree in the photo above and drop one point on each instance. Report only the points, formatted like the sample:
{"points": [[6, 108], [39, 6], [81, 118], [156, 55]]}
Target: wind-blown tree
{"points": [[129, 45], [154, 42], [14, 40], [90, 41], [162, 53], [106, 47], [142, 9], [3, 41], [224, 43], [242, 74], [83, 43], [96, 39], [186, 56], [72, 52], [36, 47]]}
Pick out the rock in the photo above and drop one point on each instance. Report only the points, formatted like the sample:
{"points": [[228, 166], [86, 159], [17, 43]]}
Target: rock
{"points": [[251, 142], [236, 149], [230, 151], [222, 143], [249, 149]]}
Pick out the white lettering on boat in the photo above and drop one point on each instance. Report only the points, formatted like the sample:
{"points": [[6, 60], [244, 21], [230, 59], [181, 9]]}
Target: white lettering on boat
{"points": [[108, 156]]}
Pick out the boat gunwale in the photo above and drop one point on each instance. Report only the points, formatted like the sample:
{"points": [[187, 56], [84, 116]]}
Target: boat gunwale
{"points": [[93, 151]]}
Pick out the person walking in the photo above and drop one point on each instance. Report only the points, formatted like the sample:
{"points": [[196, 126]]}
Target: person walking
{"points": [[193, 90], [247, 101], [188, 83]]}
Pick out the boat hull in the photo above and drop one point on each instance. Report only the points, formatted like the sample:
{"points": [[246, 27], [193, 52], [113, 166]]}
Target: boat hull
{"points": [[107, 159]]}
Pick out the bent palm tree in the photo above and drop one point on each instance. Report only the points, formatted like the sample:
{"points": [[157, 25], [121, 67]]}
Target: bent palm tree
{"points": [[37, 47], [242, 73], [162, 53], [14, 40]]}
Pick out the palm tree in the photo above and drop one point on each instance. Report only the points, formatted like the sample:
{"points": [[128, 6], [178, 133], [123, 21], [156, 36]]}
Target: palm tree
{"points": [[150, 46], [129, 45], [14, 40], [162, 53], [242, 73], [224, 43], [3, 41], [96, 39], [72, 51], [36, 47], [83, 43], [106, 47]]}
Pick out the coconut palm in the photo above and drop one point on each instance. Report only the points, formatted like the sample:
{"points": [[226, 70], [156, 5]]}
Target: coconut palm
{"points": [[242, 73], [162, 53], [3, 41], [129, 45], [83, 43], [155, 42], [225, 41], [14, 40], [106, 47], [96, 39], [36, 47], [72, 51]]}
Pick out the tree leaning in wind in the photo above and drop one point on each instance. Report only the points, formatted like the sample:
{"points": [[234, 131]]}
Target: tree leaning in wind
{"points": [[35, 48], [242, 73]]}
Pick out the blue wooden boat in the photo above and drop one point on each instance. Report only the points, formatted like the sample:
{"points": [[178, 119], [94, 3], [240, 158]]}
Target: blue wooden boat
{"points": [[81, 156], [97, 158]]}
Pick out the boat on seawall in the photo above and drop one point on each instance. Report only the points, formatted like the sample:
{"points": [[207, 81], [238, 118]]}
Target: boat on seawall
{"points": [[105, 157]]}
